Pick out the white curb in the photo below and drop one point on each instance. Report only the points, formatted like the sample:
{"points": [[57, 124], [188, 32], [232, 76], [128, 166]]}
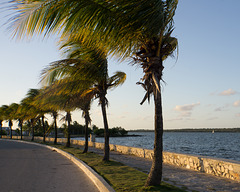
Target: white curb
{"points": [[100, 183]]}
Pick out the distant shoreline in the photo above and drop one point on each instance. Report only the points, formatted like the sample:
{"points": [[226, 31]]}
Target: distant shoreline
{"points": [[192, 130]]}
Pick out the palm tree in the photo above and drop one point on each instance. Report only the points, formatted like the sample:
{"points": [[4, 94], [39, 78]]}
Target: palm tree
{"points": [[55, 115], [32, 96], [85, 106], [68, 119], [20, 115], [20, 123], [50, 97], [41, 101], [84, 103], [124, 28], [25, 112], [58, 102], [29, 109], [7, 116], [16, 115], [87, 72]]}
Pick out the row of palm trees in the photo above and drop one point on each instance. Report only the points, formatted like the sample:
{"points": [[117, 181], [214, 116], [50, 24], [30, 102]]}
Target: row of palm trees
{"points": [[25, 111], [138, 29], [70, 84]]}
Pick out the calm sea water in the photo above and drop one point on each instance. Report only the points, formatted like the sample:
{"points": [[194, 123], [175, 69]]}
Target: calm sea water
{"points": [[220, 145]]}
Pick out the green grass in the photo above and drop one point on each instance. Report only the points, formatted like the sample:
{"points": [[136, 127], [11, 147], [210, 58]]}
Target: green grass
{"points": [[119, 176]]}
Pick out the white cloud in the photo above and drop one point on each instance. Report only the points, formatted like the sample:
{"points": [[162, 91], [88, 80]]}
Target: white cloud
{"points": [[228, 92], [186, 110], [186, 107], [236, 103]]}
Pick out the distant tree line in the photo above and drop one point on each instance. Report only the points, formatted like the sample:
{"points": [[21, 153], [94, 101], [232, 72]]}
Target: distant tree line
{"points": [[75, 129], [114, 132]]}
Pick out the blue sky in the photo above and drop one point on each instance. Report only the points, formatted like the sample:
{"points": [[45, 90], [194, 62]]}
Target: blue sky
{"points": [[202, 83]]}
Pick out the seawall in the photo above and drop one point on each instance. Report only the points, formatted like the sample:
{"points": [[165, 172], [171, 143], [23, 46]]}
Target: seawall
{"points": [[219, 167]]}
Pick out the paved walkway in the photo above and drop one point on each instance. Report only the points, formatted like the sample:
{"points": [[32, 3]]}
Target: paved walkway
{"points": [[31, 168], [184, 178]]}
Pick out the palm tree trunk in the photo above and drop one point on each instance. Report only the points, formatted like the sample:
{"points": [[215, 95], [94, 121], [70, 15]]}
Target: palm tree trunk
{"points": [[44, 130], [20, 125], [10, 132], [55, 128], [106, 132], [86, 131], [32, 130], [21, 132], [10, 126], [0, 128], [155, 175], [68, 144]]}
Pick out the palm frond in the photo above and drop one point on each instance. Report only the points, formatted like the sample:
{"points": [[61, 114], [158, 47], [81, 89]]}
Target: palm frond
{"points": [[76, 68], [117, 79], [57, 70], [36, 17], [118, 26]]}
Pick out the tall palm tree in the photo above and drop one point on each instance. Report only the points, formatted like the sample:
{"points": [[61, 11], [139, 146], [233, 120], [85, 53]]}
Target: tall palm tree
{"points": [[87, 72], [26, 113], [50, 97], [55, 115], [30, 110], [41, 101], [20, 119], [7, 116], [21, 115], [83, 102], [85, 107], [16, 115], [32, 96], [124, 28], [56, 102]]}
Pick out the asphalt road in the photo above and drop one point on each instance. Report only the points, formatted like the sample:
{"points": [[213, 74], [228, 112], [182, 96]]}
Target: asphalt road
{"points": [[30, 168]]}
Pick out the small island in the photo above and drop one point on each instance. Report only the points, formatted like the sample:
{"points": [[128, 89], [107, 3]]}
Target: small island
{"points": [[113, 132]]}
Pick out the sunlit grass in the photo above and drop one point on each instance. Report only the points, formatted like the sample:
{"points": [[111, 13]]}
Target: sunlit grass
{"points": [[119, 176]]}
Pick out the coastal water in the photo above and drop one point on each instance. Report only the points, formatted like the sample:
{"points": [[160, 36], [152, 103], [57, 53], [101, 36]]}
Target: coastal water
{"points": [[221, 145]]}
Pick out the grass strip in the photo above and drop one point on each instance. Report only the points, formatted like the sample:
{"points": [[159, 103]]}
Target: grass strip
{"points": [[121, 177]]}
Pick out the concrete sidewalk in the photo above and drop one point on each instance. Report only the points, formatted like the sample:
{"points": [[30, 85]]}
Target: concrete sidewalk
{"points": [[184, 178], [33, 168]]}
